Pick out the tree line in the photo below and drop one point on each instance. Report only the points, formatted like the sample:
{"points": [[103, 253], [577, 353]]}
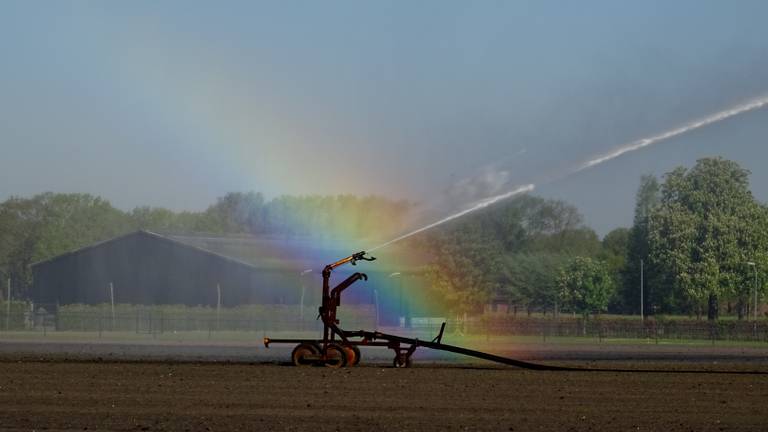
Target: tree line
{"points": [[49, 224], [699, 240]]}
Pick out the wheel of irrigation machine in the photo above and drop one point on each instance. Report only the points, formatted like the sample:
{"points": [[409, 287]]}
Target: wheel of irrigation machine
{"points": [[353, 355], [335, 356], [402, 361], [305, 354], [317, 347]]}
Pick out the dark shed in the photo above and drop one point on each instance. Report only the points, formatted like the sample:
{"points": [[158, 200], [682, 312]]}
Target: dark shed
{"points": [[149, 268]]}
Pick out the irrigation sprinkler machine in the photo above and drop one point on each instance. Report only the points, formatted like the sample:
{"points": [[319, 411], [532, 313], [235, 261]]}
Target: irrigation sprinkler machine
{"points": [[339, 348]]}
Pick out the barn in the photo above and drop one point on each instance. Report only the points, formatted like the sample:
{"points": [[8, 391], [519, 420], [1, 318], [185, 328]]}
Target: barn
{"points": [[148, 268]]}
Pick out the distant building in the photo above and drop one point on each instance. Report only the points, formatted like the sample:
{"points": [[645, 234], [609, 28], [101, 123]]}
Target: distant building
{"points": [[149, 268]]}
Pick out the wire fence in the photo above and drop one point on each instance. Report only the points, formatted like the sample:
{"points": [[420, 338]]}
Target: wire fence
{"points": [[159, 322], [658, 329], [155, 323]]}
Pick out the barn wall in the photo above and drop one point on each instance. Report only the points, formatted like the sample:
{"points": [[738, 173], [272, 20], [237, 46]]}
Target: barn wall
{"points": [[148, 269]]}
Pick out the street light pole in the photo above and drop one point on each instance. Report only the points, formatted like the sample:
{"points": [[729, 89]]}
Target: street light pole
{"points": [[8, 307], [642, 265], [642, 311]]}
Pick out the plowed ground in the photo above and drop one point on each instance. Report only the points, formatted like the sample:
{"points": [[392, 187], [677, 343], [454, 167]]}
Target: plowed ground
{"points": [[62, 394]]}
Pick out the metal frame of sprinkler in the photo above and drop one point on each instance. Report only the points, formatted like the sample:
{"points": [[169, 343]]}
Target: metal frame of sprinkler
{"points": [[339, 347]]}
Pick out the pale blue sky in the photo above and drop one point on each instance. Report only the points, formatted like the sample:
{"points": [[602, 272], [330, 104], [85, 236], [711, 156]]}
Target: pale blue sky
{"points": [[174, 103]]}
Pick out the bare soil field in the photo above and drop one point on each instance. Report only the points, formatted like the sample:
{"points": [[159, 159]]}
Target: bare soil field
{"points": [[54, 393], [254, 351]]}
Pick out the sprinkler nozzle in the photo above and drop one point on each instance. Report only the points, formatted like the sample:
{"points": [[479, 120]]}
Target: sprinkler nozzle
{"points": [[360, 256]]}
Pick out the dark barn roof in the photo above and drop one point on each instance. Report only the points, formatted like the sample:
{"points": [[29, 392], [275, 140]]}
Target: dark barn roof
{"points": [[156, 236], [151, 268]]}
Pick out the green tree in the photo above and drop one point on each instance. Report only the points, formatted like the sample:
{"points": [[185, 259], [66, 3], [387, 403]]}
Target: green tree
{"points": [[48, 224], [706, 228], [467, 262], [335, 216], [530, 280], [614, 249], [509, 251], [235, 212], [616, 242], [585, 285]]}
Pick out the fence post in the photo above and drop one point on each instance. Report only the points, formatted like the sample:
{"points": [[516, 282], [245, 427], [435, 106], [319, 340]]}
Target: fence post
{"points": [[599, 332], [218, 307], [112, 303], [8, 307]]}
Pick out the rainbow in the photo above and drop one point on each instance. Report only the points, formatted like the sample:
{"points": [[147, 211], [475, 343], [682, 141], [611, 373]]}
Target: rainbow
{"points": [[228, 107]]}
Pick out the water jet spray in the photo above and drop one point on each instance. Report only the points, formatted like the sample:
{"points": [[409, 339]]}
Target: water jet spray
{"points": [[595, 161]]}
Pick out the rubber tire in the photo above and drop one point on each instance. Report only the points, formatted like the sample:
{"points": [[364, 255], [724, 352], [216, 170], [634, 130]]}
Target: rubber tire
{"points": [[352, 358], [301, 352], [336, 357], [401, 362], [318, 348], [357, 354]]}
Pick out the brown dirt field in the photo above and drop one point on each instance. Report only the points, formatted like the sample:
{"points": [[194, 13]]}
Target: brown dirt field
{"points": [[92, 395]]}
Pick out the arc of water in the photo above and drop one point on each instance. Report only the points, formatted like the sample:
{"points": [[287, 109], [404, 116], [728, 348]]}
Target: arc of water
{"points": [[598, 160]]}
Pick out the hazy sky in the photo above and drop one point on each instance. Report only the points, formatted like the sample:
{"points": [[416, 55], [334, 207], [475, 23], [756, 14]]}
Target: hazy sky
{"points": [[175, 103]]}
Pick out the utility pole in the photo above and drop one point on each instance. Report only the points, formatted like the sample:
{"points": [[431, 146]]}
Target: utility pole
{"points": [[8, 307], [642, 309]]}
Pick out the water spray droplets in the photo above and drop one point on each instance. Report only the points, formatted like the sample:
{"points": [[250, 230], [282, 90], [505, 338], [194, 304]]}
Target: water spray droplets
{"points": [[477, 206], [598, 160], [696, 124]]}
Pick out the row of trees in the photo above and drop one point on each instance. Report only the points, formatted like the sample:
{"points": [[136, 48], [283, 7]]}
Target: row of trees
{"points": [[46, 225], [700, 240], [703, 237], [512, 252]]}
